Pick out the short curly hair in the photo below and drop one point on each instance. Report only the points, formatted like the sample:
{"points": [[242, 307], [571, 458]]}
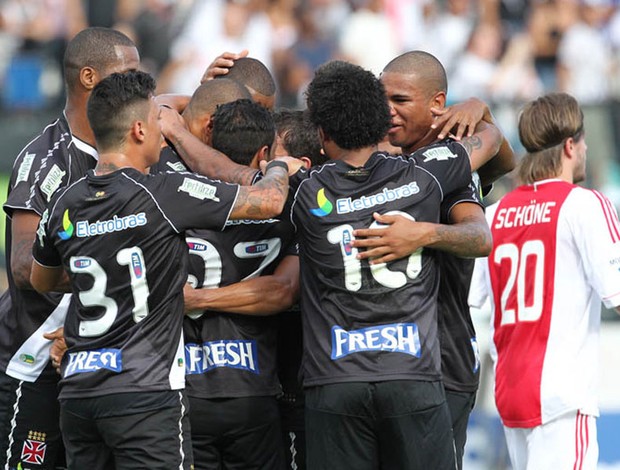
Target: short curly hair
{"points": [[349, 104]]}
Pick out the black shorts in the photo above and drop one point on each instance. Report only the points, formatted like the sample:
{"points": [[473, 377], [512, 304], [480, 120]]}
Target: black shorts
{"points": [[29, 429], [402, 424], [236, 433], [292, 417], [460, 405], [155, 439]]}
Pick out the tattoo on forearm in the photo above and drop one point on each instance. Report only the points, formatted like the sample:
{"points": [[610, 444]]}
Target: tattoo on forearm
{"points": [[466, 239], [212, 164], [471, 143], [254, 201]]}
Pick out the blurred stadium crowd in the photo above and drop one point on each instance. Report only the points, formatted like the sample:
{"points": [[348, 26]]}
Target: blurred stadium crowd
{"points": [[502, 51]]}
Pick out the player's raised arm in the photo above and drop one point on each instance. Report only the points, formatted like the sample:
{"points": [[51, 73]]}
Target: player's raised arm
{"points": [[463, 121], [201, 158], [266, 198]]}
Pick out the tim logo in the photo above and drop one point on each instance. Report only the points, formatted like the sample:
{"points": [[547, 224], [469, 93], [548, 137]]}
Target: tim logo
{"points": [[34, 449], [347, 237], [91, 361], [67, 225], [257, 249], [81, 263], [233, 354], [136, 265], [194, 246], [325, 206], [397, 337]]}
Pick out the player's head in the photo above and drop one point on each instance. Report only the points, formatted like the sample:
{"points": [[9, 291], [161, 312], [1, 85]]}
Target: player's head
{"points": [[93, 54], [348, 105], [244, 130], [298, 137], [123, 115], [256, 77], [551, 130], [414, 83], [199, 112]]}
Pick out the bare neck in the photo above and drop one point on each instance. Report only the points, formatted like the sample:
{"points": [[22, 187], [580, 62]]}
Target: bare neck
{"points": [[75, 110], [355, 158], [111, 161]]}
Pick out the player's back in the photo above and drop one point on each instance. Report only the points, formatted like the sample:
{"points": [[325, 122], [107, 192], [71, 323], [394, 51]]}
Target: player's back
{"points": [[234, 355], [120, 238], [350, 307], [50, 161], [552, 243]]}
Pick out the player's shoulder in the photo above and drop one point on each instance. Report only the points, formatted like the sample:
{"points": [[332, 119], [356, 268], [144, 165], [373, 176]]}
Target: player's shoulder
{"points": [[441, 150], [582, 202]]}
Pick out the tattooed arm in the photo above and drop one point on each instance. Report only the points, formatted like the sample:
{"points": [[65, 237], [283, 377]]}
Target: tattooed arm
{"points": [[24, 226], [201, 158], [462, 121], [468, 235], [483, 145], [264, 199]]}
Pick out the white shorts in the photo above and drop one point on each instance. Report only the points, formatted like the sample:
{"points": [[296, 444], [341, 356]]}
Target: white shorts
{"points": [[566, 443]]}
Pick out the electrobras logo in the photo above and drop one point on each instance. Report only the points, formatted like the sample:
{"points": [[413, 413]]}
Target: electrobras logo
{"points": [[85, 228], [348, 205], [325, 205]]}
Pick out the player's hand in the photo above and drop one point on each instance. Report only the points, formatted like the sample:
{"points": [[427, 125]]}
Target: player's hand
{"points": [[58, 348], [460, 119], [399, 238], [170, 121], [222, 64], [191, 299], [294, 164]]}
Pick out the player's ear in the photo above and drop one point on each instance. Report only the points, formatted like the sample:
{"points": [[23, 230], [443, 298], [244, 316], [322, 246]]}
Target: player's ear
{"points": [[207, 130], [438, 100], [137, 131], [89, 77], [569, 147], [307, 161], [263, 154]]}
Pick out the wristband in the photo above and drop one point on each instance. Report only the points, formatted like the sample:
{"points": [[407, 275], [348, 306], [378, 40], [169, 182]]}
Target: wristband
{"points": [[275, 163]]}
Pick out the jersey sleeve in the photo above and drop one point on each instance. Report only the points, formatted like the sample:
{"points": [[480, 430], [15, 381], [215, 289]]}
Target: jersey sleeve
{"points": [[43, 249], [448, 162], [593, 221], [189, 200], [35, 178], [472, 193]]}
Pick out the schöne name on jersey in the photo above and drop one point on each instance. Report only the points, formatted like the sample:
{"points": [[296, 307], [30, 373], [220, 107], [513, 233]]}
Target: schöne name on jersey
{"points": [[535, 213], [396, 337], [91, 361], [234, 354], [85, 228], [347, 205]]}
